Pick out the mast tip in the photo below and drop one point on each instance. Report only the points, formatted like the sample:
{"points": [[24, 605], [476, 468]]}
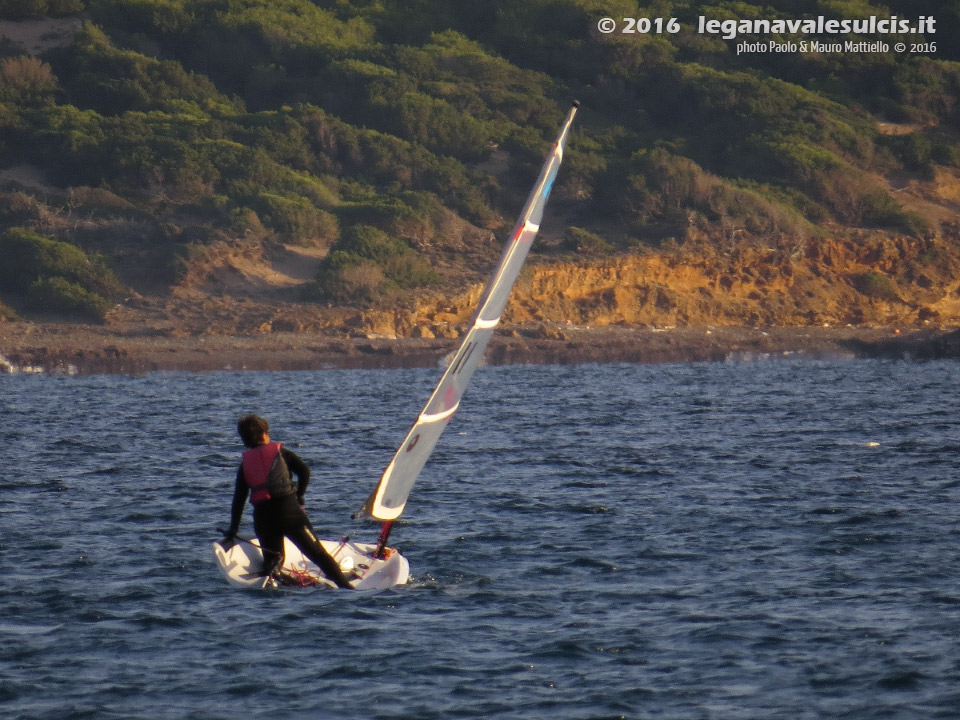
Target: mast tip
{"points": [[576, 103]]}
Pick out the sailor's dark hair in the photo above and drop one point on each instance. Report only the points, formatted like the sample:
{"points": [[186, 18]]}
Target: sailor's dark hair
{"points": [[252, 428]]}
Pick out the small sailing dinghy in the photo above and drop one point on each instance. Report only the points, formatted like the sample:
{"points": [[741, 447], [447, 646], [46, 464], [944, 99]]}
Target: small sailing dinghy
{"points": [[375, 566], [240, 560]]}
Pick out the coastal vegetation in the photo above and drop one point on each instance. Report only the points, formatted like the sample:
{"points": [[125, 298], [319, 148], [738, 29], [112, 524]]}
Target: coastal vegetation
{"points": [[56, 276], [402, 135]]}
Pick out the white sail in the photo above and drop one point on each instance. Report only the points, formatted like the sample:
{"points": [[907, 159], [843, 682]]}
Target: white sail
{"points": [[390, 496]]}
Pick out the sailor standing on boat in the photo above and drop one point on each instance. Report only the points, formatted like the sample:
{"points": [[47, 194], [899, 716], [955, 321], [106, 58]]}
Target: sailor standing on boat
{"points": [[278, 512]]}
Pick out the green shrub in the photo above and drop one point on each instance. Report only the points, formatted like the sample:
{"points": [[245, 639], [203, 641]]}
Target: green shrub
{"points": [[409, 270], [879, 209], [361, 283], [26, 79], [295, 218], [90, 198], [577, 239], [659, 188], [367, 243], [928, 88], [915, 150], [913, 223], [58, 295], [435, 124], [28, 257], [100, 75], [366, 263], [875, 285], [23, 9]]}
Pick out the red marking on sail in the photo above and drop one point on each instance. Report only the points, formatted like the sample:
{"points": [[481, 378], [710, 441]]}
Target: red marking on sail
{"points": [[449, 398]]}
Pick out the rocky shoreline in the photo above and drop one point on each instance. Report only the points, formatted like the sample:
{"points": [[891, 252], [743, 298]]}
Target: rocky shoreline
{"points": [[85, 350]]}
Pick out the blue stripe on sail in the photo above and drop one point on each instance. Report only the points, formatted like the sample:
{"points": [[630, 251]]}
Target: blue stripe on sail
{"points": [[546, 191]]}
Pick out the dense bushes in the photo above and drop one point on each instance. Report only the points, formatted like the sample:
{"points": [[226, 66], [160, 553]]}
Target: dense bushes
{"points": [[928, 90], [366, 265], [26, 80], [58, 295], [296, 218], [292, 119], [160, 95], [664, 194], [25, 9], [98, 75], [28, 256], [53, 275]]}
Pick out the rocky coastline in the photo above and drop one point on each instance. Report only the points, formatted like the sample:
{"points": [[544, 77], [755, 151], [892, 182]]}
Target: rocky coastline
{"points": [[85, 350]]}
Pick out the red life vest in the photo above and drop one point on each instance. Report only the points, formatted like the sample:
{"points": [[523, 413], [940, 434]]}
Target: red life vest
{"points": [[257, 463]]}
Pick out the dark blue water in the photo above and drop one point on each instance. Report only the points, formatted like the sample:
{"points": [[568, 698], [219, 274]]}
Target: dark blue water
{"points": [[757, 540]]}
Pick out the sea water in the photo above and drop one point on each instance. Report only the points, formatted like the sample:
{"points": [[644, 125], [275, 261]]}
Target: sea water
{"points": [[748, 540]]}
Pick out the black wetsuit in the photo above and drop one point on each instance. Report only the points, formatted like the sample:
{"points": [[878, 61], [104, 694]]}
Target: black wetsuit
{"points": [[282, 517]]}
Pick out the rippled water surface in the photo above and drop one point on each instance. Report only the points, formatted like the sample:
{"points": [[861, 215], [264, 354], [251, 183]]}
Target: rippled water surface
{"points": [[756, 540]]}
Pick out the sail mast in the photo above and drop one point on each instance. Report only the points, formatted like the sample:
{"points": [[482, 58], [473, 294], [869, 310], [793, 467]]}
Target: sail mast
{"points": [[389, 498]]}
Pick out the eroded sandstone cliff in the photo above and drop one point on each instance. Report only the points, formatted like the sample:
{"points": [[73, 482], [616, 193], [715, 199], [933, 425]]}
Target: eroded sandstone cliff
{"points": [[859, 278]]}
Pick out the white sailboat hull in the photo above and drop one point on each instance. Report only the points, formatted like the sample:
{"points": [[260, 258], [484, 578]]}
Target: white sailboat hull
{"points": [[240, 560]]}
